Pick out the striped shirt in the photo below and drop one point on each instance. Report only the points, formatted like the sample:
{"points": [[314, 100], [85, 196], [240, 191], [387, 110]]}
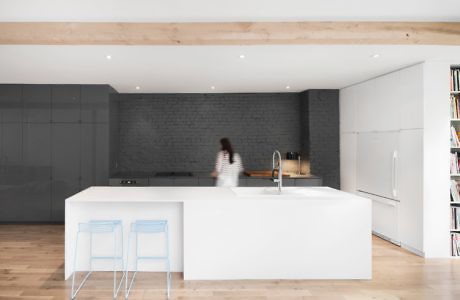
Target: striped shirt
{"points": [[227, 174]]}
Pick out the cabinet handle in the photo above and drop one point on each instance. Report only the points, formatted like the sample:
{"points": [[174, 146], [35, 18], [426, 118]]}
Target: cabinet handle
{"points": [[393, 175]]}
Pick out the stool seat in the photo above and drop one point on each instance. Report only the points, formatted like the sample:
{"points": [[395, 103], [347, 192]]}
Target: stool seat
{"points": [[99, 226], [149, 226]]}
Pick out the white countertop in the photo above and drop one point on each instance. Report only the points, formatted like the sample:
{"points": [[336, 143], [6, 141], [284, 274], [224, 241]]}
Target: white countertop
{"points": [[181, 194]]}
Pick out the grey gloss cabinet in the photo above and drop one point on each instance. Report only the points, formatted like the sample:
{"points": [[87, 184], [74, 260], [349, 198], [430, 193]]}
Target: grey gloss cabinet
{"points": [[10, 103], [37, 162], [37, 103], [65, 163], [93, 154], [95, 103], [65, 103]]}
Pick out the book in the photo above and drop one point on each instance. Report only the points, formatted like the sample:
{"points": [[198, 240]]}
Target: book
{"points": [[454, 192]]}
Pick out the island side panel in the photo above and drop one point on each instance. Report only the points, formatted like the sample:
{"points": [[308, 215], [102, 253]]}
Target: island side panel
{"points": [[128, 212], [327, 238]]}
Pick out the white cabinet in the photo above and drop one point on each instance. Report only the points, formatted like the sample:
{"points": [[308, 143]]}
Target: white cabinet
{"points": [[348, 162], [376, 163], [366, 109], [385, 215], [411, 99], [409, 185], [347, 107]]}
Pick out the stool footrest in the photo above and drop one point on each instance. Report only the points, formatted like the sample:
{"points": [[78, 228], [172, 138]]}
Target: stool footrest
{"points": [[152, 257]]}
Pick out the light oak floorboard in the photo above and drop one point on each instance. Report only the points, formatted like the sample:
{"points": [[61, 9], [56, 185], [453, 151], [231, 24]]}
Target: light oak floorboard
{"points": [[32, 267]]}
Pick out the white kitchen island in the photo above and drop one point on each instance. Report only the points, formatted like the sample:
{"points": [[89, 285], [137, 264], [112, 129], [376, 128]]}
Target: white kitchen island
{"points": [[236, 233]]}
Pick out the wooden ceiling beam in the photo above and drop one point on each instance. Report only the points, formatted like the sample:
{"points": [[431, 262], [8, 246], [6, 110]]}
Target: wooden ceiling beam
{"points": [[237, 33]]}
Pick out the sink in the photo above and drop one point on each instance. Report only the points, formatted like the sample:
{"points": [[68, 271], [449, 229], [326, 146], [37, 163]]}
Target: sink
{"points": [[273, 191]]}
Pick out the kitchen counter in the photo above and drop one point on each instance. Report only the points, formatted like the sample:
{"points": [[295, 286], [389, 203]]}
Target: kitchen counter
{"points": [[238, 233], [204, 179]]}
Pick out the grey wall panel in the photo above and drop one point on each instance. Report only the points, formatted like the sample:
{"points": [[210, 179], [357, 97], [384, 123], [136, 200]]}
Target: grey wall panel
{"points": [[94, 154], [10, 103], [95, 103], [37, 103], [65, 103], [37, 158]]}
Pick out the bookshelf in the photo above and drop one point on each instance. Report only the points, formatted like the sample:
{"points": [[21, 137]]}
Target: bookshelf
{"points": [[455, 160]]}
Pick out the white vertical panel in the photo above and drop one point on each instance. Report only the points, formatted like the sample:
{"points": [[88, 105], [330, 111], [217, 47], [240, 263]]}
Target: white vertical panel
{"points": [[348, 162], [347, 105]]}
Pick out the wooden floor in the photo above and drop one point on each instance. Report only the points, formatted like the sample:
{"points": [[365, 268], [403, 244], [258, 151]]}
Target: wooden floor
{"points": [[32, 267]]}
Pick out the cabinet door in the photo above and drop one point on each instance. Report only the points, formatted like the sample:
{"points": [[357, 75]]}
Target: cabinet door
{"points": [[207, 181], [37, 159], [37, 103], [94, 103], [308, 182], [376, 171], [65, 162], [10, 103], [186, 181], [409, 186], [11, 144], [161, 181], [254, 182], [385, 218], [65, 103], [411, 97], [94, 154]]}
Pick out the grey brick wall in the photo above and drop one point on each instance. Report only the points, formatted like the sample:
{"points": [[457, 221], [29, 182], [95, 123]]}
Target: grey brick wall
{"points": [[181, 132], [322, 107]]}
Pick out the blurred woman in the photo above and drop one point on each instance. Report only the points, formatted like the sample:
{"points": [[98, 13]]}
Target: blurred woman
{"points": [[228, 165]]}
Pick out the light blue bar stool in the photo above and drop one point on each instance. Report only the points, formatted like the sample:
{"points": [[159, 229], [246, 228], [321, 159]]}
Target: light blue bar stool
{"points": [[96, 227], [149, 227]]}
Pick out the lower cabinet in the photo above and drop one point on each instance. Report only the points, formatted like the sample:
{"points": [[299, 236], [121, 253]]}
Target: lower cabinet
{"points": [[61, 190], [385, 217]]}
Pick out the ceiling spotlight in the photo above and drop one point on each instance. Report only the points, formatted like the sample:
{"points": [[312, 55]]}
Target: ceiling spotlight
{"points": [[109, 57], [242, 56], [376, 55], [138, 87], [213, 88], [287, 87]]}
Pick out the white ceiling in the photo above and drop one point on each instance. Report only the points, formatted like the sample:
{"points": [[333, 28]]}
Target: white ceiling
{"points": [[197, 68], [228, 10]]}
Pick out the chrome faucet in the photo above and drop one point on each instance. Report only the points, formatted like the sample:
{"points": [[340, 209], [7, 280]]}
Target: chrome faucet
{"points": [[278, 180]]}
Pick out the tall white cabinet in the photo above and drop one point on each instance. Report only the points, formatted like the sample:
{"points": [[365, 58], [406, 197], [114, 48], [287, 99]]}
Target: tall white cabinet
{"points": [[381, 123]]}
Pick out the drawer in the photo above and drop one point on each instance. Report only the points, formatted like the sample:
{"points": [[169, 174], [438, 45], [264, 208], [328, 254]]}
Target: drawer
{"points": [[385, 217]]}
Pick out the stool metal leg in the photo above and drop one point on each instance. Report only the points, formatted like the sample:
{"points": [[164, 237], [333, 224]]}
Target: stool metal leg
{"points": [[129, 286], [115, 259], [73, 292], [168, 265]]}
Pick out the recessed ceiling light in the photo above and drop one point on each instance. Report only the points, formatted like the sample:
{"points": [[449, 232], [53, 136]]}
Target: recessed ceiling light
{"points": [[109, 57], [213, 88], [138, 87], [287, 87], [376, 55], [242, 56]]}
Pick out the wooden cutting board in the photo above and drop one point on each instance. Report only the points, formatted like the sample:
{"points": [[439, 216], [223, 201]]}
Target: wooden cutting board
{"points": [[262, 173]]}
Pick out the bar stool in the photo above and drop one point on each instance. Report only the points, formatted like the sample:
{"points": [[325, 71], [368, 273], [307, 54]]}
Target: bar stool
{"points": [[97, 227], [148, 227]]}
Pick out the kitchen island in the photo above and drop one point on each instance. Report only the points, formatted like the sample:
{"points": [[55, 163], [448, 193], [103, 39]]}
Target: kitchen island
{"points": [[237, 233]]}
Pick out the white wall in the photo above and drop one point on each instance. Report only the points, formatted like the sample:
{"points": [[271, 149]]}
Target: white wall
{"points": [[436, 161], [415, 103]]}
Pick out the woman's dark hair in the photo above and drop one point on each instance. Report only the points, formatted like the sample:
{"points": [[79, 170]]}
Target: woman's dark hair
{"points": [[227, 147]]}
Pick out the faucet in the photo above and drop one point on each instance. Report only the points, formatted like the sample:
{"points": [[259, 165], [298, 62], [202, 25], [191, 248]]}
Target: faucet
{"points": [[278, 180]]}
